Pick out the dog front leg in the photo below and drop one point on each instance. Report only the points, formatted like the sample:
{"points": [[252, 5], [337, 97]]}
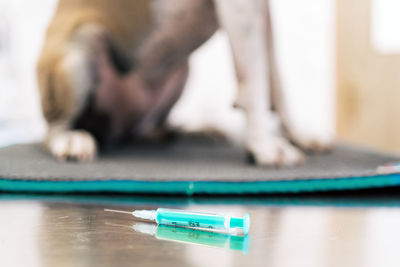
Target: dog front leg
{"points": [[245, 23], [65, 75]]}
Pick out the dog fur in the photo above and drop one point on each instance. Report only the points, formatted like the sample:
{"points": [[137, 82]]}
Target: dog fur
{"points": [[109, 70]]}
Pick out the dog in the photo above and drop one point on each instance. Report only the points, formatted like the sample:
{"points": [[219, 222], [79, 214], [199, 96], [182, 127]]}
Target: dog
{"points": [[113, 69]]}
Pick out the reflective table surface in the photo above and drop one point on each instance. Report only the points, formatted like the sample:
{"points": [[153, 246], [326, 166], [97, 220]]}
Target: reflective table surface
{"points": [[293, 231]]}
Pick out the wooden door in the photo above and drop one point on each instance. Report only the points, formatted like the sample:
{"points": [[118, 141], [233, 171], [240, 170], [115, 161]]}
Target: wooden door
{"points": [[368, 83]]}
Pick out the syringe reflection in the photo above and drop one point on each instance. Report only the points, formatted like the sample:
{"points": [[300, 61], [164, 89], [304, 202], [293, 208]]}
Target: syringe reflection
{"points": [[193, 236]]}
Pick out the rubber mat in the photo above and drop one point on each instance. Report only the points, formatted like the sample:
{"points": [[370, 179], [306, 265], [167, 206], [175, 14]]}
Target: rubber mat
{"points": [[192, 166]]}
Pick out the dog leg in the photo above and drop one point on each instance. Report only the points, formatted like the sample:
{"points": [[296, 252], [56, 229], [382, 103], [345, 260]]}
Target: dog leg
{"points": [[244, 22], [65, 83], [299, 132], [303, 135]]}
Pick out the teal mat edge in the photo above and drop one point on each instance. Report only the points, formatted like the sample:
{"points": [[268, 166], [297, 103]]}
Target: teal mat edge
{"points": [[200, 187]]}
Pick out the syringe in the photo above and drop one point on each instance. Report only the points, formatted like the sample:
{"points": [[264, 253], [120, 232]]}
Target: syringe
{"points": [[192, 219]]}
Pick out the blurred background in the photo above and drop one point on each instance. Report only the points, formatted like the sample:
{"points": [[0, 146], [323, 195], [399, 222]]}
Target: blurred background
{"points": [[339, 61]]}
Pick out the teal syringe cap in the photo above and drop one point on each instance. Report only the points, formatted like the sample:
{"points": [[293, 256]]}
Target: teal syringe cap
{"points": [[246, 224], [243, 223]]}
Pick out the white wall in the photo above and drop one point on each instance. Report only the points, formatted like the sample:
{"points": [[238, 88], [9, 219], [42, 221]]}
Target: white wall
{"points": [[25, 23], [305, 35], [305, 42], [385, 22]]}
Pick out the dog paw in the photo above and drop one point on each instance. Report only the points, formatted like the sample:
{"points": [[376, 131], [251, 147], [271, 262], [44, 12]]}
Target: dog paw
{"points": [[315, 145], [317, 142], [274, 151], [77, 146]]}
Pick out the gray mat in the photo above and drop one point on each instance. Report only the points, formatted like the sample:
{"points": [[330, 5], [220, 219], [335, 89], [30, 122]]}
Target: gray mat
{"points": [[190, 159]]}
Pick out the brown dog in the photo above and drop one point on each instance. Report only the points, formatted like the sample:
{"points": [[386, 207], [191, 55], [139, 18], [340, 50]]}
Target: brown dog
{"points": [[114, 69]]}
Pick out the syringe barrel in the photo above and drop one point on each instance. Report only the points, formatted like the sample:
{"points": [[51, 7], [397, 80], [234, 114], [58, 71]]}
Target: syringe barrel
{"points": [[210, 221]]}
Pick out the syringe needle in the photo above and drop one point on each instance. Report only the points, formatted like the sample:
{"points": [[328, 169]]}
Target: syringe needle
{"points": [[118, 211]]}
